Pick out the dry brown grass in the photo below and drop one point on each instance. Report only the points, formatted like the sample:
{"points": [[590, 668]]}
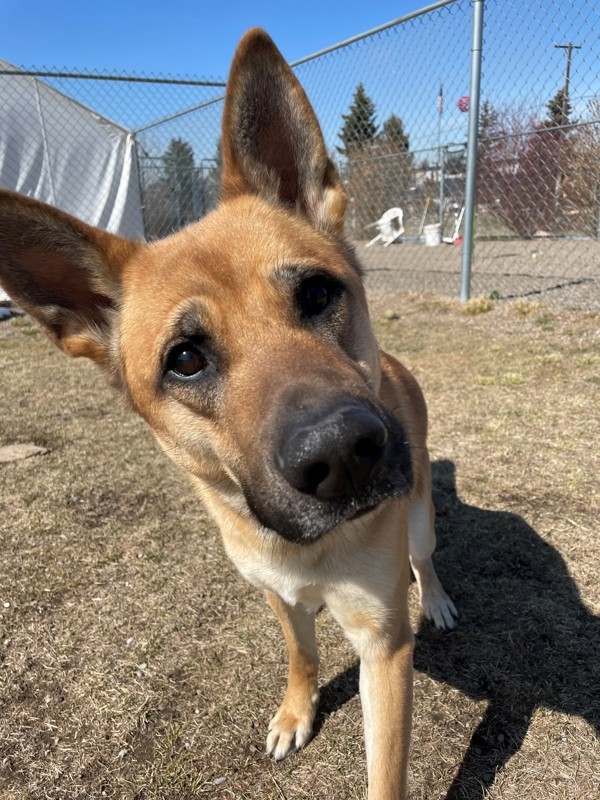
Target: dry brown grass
{"points": [[134, 663]]}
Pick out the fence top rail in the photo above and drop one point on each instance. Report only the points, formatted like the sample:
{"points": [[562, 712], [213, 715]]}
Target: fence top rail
{"points": [[399, 21], [297, 63], [182, 113], [36, 73]]}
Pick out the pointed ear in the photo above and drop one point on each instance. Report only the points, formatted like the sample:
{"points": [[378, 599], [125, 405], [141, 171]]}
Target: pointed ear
{"points": [[272, 142], [65, 273]]}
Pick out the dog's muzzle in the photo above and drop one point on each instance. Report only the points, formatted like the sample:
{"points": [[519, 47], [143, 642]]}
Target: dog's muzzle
{"points": [[331, 463]]}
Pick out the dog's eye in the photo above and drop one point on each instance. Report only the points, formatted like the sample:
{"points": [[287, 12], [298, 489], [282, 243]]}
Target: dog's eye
{"points": [[315, 294], [186, 360]]}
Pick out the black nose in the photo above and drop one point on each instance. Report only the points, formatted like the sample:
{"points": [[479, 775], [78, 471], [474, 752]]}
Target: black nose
{"points": [[333, 453]]}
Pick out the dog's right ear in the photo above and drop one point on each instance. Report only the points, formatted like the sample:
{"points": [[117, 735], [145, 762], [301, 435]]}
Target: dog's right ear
{"points": [[272, 144], [65, 273]]}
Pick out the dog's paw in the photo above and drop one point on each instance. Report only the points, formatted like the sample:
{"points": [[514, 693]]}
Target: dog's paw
{"points": [[289, 730], [439, 609]]}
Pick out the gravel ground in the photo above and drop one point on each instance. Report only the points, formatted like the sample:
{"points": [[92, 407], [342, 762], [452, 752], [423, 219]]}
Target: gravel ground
{"points": [[559, 273]]}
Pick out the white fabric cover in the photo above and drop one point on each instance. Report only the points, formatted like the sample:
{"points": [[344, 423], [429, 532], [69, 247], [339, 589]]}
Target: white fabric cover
{"points": [[58, 151]]}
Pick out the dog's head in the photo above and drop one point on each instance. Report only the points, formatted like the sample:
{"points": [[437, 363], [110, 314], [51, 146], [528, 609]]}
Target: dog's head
{"points": [[244, 339]]}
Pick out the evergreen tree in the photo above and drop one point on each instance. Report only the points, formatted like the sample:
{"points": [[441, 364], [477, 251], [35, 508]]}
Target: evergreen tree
{"points": [[393, 132], [179, 171], [489, 124], [491, 147], [359, 123], [209, 181], [559, 108], [492, 155]]}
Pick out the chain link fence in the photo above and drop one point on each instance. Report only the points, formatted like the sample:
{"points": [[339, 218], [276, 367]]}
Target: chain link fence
{"points": [[538, 198], [103, 148], [393, 107]]}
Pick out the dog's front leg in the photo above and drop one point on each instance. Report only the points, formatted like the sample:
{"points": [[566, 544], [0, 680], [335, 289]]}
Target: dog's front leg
{"points": [[291, 727], [386, 689], [386, 697], [372, 609]]}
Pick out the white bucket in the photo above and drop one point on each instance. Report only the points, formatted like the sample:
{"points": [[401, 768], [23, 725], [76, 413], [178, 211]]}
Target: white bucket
{"points": [[433, 234]]}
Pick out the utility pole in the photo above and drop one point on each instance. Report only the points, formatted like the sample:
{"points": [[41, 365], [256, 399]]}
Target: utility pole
{"points": [[564, 106], [565, 98]]}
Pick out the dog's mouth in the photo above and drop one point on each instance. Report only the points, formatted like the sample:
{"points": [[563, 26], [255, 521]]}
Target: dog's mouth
{"points": [[331, 466], [304, 519]]}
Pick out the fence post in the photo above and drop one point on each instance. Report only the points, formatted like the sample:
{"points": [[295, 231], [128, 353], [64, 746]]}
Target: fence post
{"points": [[443, 151], [471, 176]]}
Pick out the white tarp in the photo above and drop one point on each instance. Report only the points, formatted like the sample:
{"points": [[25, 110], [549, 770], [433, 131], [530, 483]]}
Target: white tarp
{"points": [[57, 150]]}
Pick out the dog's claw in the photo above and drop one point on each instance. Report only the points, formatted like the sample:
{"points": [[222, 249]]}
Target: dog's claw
{"points": [[439, 609], [288, 732], [437, 606]]}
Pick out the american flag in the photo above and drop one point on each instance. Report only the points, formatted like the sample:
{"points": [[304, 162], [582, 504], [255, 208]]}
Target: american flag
{"points": [[440, 100]]}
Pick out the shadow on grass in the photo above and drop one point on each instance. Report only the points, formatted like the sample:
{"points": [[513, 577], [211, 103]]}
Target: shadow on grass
{"points": [[525, 639]]}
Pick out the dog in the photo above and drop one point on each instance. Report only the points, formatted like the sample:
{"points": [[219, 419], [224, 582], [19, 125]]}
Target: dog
{"points": [[244, 341]]}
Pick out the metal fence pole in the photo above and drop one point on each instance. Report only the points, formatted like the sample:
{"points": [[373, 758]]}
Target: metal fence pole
{"points": [[443, 152], [471, 176]]}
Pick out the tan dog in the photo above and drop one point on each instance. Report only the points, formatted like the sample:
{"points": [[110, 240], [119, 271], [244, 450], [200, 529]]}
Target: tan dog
{"points": [[244, 341]]}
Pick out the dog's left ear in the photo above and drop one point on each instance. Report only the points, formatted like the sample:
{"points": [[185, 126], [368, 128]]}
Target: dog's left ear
{"points": [[272, 143]]}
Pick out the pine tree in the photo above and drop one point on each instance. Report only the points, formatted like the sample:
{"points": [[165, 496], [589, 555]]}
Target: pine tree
{"points": [[491, 155], [559, 108], [179, 170], [359, 123], [170, 195], [393, 132], [489, 124]]}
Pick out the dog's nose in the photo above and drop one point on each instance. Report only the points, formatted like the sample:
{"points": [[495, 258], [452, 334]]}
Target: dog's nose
{"points": [[332, 453]]}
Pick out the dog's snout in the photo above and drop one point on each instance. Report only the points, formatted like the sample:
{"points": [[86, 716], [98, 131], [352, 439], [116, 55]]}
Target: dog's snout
{"points": [[333, 453]]}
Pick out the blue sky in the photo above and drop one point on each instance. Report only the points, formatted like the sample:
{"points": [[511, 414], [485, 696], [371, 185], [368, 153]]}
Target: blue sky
{"points": [[401, 70], [178, 37]]}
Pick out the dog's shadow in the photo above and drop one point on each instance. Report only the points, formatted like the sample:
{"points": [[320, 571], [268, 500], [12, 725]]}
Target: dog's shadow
{"points": [[525, 639]]}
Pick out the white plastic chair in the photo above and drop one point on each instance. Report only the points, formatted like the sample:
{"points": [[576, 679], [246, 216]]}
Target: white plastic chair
{"points": [[389, 227]]}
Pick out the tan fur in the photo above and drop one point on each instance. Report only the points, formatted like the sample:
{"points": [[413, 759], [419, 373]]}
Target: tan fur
{"points": [[230, 282]]}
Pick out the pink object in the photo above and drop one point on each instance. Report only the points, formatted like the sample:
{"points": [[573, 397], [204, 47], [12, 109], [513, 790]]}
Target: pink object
{"points": [[463, 103]]}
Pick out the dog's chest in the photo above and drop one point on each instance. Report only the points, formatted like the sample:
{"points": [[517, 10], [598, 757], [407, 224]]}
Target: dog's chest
{"points": [[298, 574], [352, 567], [296, 578]]}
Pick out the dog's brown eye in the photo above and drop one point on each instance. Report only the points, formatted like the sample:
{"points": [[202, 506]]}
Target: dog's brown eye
{"points": [[315, 295], [186, 360]]}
